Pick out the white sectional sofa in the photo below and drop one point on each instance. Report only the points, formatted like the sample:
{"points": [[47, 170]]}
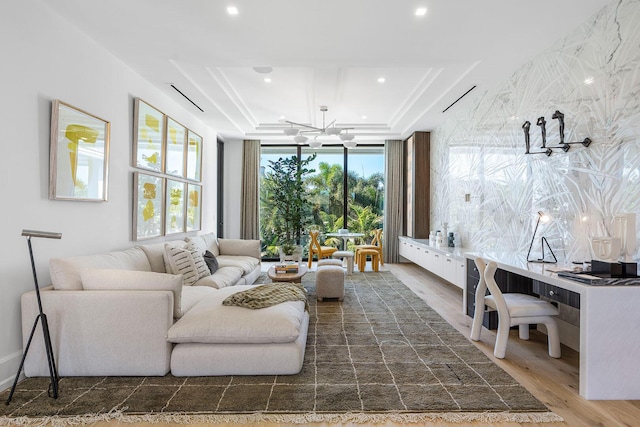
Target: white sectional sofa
{"points": [[127, 313]]}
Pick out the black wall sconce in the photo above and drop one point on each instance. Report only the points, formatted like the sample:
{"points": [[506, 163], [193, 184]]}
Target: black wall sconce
{"points": [[542, 123]]}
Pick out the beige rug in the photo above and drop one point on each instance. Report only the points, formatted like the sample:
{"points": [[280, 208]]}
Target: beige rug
{"points": [[381, 355]]}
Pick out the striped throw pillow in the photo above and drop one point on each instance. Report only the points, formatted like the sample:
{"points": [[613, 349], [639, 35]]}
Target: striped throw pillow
{"points": [[198, 259], [181, 262]]}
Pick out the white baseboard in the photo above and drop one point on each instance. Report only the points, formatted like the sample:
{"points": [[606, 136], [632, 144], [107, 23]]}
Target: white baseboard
{"points": [[8, 368]]}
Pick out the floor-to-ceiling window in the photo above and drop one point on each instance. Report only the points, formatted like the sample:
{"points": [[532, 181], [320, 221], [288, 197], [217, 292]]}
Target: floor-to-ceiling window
{"points": [[337, 199]]}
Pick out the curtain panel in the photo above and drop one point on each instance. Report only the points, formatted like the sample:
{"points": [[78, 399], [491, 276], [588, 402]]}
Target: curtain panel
{"points": [[394, 181], [250, 207]]}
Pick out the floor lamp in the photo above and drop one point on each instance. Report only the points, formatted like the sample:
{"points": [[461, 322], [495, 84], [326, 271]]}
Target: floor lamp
{"points": [[53, 371], [544, 218]]}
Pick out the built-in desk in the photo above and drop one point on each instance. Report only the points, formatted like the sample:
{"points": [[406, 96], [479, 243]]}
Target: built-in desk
{"points": [[609, 322], [609, 326]]}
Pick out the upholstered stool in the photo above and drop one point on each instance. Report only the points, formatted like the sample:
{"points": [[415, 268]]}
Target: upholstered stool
{"points": [[329, 261], [362, 259], [348, 256], [330, 282]]}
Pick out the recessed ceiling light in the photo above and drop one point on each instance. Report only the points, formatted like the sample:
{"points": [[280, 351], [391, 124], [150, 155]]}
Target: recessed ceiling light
{"points": [[364, 117], [232, 10], [381, 79], [267, 80], [421, 11]]}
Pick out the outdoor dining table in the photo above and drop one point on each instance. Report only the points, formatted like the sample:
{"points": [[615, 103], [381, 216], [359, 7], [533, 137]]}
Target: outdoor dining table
{"points": [[345, 237]]}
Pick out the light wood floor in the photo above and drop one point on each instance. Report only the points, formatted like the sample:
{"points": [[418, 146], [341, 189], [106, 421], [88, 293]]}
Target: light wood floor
{"points": [[552, 381]]}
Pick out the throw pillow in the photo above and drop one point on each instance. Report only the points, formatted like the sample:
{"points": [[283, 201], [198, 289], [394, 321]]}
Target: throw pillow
{"points": [[212, 261], [180, 261], [201, 265], [113, 279]]}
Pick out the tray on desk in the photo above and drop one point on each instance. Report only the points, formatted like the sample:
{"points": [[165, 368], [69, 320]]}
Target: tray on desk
{"points": [[584, 277], [599, 279]]}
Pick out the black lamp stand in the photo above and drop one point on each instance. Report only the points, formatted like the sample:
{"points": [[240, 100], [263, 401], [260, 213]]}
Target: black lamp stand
{"points": [[53, 371], [543, 243]]}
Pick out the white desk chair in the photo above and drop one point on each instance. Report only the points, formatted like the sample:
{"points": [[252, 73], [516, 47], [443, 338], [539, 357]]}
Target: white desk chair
{"points": [[513, 309]]}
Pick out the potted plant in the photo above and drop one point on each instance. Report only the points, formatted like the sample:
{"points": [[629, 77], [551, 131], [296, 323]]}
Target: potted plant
{"points": [[285, 187], [290, 252]]}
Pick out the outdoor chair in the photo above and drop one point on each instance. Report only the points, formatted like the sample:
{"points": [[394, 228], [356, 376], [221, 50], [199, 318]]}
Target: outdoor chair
{"points": [[315, 248], [376, 243]]}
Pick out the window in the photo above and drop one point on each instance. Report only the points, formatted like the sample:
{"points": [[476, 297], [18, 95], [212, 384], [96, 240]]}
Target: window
{"points": [[354, 200]]}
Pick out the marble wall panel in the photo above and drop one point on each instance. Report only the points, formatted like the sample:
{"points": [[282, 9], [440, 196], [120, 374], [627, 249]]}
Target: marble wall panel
{"points": [[593, 77]]}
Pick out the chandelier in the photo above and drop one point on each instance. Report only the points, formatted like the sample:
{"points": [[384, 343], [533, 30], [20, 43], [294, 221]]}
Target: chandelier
{"points": [[329, 129]]}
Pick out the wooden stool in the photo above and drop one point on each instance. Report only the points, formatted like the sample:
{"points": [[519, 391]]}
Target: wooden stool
{"points": [[362, 259]]}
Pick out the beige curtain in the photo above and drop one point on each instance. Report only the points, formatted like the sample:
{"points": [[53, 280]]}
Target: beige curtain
{"points": [[249, 211], [394, 183]]}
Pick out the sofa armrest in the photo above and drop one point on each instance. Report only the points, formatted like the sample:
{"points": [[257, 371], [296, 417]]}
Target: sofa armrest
{"points": [[93, 333], [240, 247]]}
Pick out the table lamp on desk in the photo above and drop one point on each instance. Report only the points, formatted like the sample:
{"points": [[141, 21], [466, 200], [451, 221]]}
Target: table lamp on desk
{"points": [[545, 219]]}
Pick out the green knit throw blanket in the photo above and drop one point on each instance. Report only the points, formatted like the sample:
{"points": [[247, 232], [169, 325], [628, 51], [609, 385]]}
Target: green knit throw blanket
{"points": [[268, 295]]}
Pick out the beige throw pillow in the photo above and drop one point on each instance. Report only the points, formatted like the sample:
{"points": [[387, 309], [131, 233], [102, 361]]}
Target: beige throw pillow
{"points": [[198, 259], [180, 261]]}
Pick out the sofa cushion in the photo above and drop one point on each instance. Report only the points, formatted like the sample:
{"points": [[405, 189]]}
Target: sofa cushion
{"points": [[211, 322], [180, 261], [155, 253], [198, 241], [112, 279], [201, 267], [246, 263], [239, 247], [206, 242], [223, 277], [191, 295], [65, 272], [211, 261]]}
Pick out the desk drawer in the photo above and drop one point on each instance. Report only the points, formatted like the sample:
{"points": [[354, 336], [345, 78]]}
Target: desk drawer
{"points": [[554, 293], [472, 269]]}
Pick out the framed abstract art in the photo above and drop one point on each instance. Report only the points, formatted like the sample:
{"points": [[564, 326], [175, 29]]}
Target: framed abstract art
{"points": [[175, 146], [79, 155], [194, 207], [175, 207], [148, 144], [194, 156], [148, 206]]}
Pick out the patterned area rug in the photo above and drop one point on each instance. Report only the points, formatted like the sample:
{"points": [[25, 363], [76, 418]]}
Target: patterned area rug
{"points": [[380, 355]]}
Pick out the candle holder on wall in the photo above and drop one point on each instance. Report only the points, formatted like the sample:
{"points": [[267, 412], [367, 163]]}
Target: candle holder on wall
{"points": [[542, 123]]}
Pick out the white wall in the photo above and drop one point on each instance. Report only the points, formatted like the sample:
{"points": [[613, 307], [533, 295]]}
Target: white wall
{"points": [[45, 58], [590, 75], [232, 187]]}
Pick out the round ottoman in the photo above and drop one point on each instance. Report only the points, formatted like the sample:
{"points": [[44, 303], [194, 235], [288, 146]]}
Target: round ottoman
{"points": [[328, 261]]}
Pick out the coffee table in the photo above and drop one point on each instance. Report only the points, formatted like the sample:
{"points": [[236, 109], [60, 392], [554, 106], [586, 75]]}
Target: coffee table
{"points": [[287, 277]]}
